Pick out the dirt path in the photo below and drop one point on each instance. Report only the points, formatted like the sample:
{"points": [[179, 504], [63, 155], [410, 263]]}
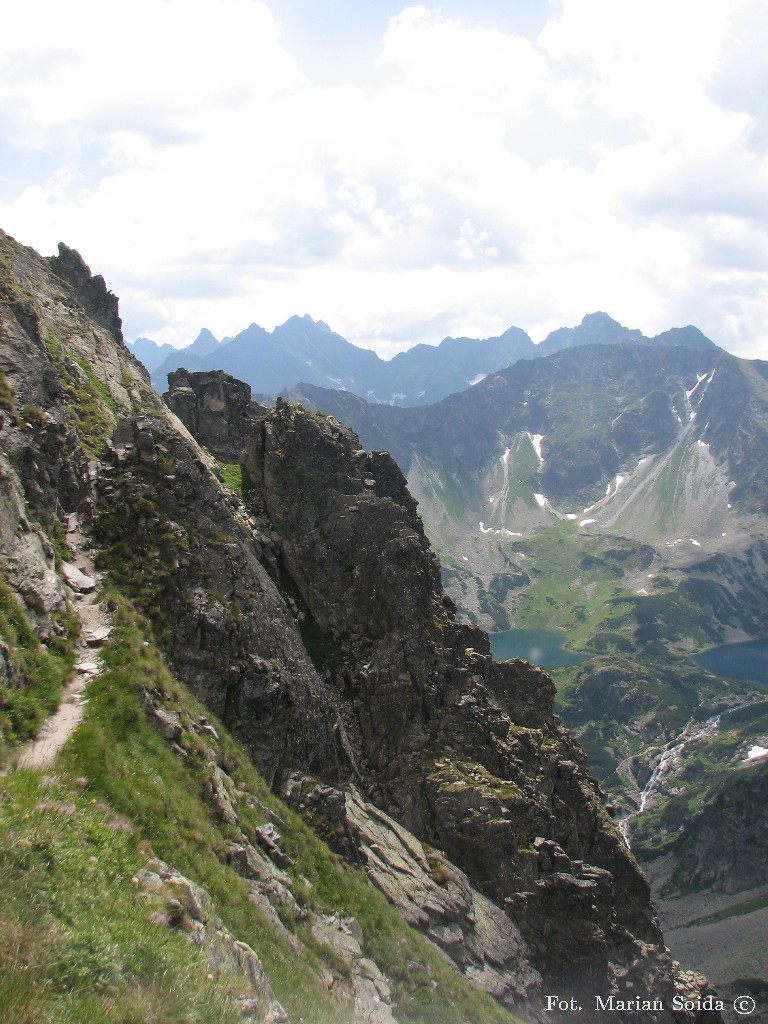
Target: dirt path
{"points": [[94, 630]]}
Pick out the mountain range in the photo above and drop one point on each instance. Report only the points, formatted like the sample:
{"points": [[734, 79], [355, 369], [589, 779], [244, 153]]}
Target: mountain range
{"points": [[302, 349]]}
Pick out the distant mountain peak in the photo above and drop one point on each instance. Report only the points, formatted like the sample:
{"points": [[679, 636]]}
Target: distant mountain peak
{"points": [[204, 344]]}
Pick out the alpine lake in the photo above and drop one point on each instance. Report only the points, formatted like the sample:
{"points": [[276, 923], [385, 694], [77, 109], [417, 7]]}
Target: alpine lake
{"points": [[746, 661], [542, 647]]}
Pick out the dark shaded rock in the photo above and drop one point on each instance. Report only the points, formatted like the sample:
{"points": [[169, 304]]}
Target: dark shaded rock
{"points": [[185, 555], [215, 408], [720, 845]]}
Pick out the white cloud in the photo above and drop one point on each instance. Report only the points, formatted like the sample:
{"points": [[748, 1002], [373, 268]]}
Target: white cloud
{"points": [[475, 179]]}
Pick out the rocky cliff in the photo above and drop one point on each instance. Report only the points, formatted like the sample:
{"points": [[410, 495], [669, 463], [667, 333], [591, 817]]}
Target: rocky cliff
{"points": [[306, 612], [466, 753]]}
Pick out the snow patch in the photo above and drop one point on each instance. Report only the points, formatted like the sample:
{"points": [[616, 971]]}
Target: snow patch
{"points": [[465, 558], [571, 515], [755, 752], [699, 378], [541, 500], [695, 542], [491, 500], [485, 529], [642, 592], [586, 522], [536, 440], [477, 379], [613, 486], [505, 456], [513, 534]]}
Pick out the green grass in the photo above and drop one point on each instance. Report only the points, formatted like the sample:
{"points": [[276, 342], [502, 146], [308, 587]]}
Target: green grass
{"points": [[232, 476], [43, 670], [738, 910], [576, 584], [91, 409], [136, 797], [76, 945]]}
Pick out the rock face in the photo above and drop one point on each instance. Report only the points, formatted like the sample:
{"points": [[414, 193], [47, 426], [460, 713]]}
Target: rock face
{"points": [[91, 290], [186, 556], [720, 844], [431, 893], [216, 409]]}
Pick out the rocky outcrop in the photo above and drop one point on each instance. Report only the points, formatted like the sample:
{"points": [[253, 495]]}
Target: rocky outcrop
{"points": [[465, 753], [90, 290], [184, 551], [432, 894], [719, 846], [216, 409], [177, 902]]}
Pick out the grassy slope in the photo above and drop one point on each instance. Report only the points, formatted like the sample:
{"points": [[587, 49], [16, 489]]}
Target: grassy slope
{"points": [[22, 709], [81, 947]]}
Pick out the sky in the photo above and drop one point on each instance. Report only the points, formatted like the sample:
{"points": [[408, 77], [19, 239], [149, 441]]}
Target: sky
{"points": [[400, 172]]}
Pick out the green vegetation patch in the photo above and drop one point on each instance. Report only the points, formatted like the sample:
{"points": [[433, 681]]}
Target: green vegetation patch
{"points": [[76, 945], [6, 395], [577, 583], [90, 406], [232, 476], [41, 672], [738, 910]]}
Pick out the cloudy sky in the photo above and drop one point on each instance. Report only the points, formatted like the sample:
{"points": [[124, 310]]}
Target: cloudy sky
{"points": [[401, 172]]}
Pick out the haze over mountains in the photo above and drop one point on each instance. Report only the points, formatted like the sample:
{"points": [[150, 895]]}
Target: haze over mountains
{"points": [[305, 350]]}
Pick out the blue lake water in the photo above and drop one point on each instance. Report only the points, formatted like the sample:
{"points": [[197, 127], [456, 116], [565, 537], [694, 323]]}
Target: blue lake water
{"points": [[539, 646], [748, 660]]}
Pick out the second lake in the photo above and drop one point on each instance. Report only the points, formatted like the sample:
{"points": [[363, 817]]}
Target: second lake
{"points": [[542, 647]]}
